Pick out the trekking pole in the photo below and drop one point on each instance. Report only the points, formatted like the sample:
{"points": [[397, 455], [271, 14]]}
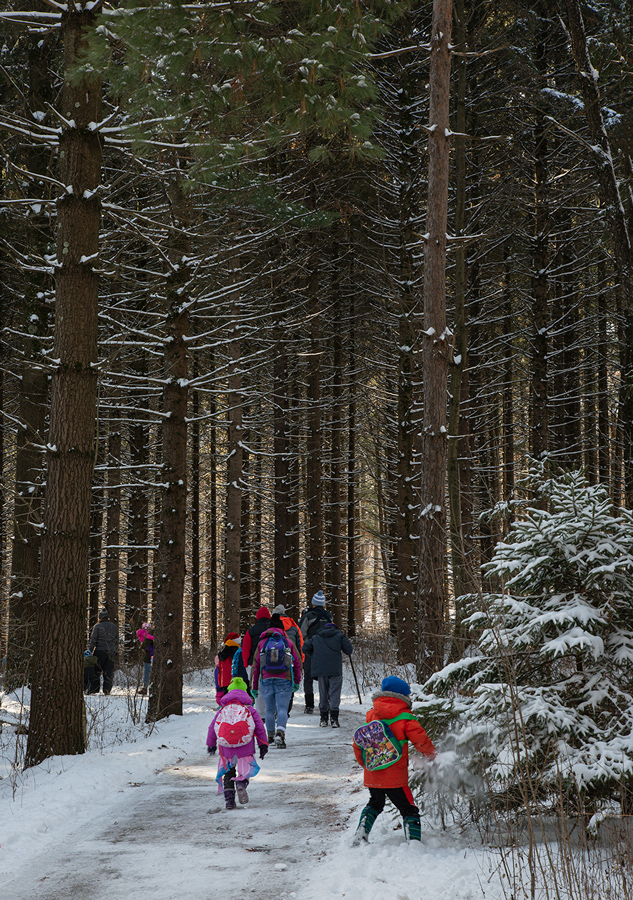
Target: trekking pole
{"points": [[351, 662]]}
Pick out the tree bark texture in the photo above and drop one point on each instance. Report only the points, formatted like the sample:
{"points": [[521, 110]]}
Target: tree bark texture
{"points": [[195, 518], [314, 460], [113, 524], [436, 348], [234, 484], [166, 685], [57, 720], [281, 452]]}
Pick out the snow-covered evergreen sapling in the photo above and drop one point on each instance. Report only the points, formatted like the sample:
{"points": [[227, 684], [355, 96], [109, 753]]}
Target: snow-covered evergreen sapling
{"points": [[546, 690]]}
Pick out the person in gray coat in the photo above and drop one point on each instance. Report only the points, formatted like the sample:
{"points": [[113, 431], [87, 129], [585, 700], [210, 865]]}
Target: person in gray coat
{"points": [[326, 650], [104, 644]]}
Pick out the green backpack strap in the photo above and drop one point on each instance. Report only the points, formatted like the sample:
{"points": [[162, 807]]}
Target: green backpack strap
{"points": [[400, 717]]}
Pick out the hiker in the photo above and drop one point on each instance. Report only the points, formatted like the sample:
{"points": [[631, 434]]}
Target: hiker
{"points": [[146, 638], [293, 633], [326, 650], [310, 621], [278, 663], [386, 761], [89, 668], [249, 646], [104, 644], [233, 732], [228, 664]]}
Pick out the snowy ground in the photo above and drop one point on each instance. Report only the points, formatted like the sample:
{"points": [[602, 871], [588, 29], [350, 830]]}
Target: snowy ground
{"points": [[143, 817]]}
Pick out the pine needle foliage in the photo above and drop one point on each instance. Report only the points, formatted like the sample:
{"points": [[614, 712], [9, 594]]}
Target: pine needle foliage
{"points": [[546, 689], [226, 83]]}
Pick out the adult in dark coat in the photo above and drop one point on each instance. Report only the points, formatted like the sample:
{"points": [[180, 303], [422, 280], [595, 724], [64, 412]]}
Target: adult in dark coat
{"points": [[104, 644], [312, 620], [326, 650]]}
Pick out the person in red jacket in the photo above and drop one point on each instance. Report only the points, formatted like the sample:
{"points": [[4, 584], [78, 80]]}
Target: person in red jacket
{"points": [[393, 699]]}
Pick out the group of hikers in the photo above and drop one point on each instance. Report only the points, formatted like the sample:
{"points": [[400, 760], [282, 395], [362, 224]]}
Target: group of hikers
{"points": [[256, 678], [103, 647]]}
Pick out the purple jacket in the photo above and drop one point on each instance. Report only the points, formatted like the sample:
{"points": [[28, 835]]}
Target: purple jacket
{"points": [[295, 673], [260, 731]]}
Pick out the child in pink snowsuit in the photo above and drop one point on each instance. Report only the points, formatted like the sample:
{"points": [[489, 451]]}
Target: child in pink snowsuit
{"points": [[233, 732]]}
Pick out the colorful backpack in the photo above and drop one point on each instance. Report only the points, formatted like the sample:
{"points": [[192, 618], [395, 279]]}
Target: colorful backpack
{"points": [[379, 746], [276, 656], [234, 726]]}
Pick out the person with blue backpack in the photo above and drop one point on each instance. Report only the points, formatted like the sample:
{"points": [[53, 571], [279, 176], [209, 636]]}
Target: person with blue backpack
{"points": [[381, 748], [278, 663]]}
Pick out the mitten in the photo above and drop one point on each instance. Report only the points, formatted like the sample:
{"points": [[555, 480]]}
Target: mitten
{"points": [[263, 750], [210, 750]]}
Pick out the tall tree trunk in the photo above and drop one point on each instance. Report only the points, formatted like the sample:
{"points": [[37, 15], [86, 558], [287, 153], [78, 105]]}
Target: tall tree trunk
{"points": [[407, 468], [195, 516], [335, 543], [212, 521], [314, 460], [540, 257], [25, 557], [166, 685], [245, 539], [351, 480], [281, 454], [97, 506], [136, 592], [113, 524], [33, 391], [234, 482], [463, 581], [432, 588], [57, 720]]}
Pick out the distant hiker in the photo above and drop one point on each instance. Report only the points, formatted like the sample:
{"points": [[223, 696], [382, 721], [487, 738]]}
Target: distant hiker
{"points": [[311, 621], [293, 633], [383, 754], [145, 636], [233, 732], [104, 644], [89, 666], [326, 649], [229, 664], [278, 664], [249, 646]]}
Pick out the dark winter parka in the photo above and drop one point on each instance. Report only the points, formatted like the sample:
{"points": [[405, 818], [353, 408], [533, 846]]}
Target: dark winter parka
{"points": [[312, 620], [105, 639], [326, 649]]}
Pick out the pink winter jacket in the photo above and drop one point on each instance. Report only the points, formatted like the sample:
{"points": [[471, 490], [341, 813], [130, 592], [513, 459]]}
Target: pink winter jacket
{"points": [[260, 731]]}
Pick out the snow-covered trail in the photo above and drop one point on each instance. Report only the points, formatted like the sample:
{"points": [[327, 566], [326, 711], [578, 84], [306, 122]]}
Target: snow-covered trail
{"points": [[145, 817]]}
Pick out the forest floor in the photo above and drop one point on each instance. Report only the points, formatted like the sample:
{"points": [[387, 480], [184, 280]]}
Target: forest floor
{"points": [[139, 814]]}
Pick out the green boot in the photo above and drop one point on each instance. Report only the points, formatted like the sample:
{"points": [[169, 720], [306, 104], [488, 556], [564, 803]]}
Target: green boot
{"points": [[367, 819], [412, 828]]}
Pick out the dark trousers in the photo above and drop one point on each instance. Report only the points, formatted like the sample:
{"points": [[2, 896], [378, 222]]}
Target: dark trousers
{"points": [[308, 684], [105, 667], [402, 799]]}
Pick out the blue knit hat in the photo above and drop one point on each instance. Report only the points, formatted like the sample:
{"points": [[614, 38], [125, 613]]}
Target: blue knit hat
{"points": [[318, 599], [395, 686]]}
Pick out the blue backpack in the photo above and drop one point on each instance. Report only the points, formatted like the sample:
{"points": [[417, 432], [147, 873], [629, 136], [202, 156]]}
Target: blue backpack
{"points": [[276, 656]]}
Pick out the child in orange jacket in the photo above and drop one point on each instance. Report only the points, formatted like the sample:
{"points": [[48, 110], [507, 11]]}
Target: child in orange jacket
{"points": [[393, 699]]}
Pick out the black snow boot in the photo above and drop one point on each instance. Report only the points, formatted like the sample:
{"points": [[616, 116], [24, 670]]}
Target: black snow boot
{"points": [[365, 825], [229, 799], [324, 720], [412, 828], [240, 787], [308, 710], [334, 722]]}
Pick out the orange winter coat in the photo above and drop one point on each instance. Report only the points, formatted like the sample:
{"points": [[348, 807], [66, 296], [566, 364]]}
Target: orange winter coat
{"points": [[386, 706]]}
